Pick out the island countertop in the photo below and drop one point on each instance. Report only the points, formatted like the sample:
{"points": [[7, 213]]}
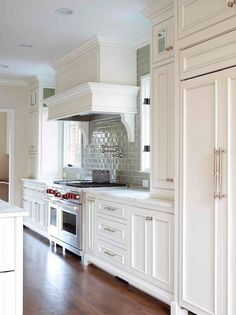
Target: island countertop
{"points": [[8, 210]]}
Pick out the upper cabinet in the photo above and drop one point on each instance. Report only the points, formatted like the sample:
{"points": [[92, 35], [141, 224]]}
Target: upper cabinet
{"points": [[163, 40], [200, 20]]}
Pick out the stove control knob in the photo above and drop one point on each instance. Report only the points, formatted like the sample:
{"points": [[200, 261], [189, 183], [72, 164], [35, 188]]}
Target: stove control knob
{"points": [[65, 196], [57, 193]]}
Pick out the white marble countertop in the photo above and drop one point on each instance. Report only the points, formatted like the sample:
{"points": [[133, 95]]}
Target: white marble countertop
{"points": [[121, 194], [7, 210]]}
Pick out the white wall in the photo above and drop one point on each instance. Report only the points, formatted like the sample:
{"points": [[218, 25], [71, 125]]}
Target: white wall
{"points": [[16, 98]]}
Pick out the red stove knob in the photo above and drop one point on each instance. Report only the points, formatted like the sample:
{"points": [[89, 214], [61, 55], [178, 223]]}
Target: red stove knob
{"points": [[57, 193], [65, 196]]}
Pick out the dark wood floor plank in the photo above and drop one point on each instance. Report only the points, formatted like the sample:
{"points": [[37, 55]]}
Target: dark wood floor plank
{"points": [[60, 285]]}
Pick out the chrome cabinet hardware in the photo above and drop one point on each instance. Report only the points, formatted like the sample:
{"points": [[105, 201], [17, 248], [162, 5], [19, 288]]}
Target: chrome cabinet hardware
{"points": [[148, 218], [231, 4], [169, 48], [221, 194], [109, 229], [218, 174], [169, 180], [107, 252], [110, 208]]}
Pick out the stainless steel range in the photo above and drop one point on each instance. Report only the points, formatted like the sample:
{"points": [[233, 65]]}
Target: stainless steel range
{"points": [[66, 207]]}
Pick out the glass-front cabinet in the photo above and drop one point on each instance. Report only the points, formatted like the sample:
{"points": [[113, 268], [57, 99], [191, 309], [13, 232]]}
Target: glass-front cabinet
{"points": [[163, 40]]}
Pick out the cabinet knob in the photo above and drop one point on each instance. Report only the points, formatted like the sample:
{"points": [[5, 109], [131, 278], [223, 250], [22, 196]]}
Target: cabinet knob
{"points": [[231, 4], [167, 48]]}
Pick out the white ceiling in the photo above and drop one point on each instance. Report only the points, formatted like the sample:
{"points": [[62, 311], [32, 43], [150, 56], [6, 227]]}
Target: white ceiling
{"points": [[52, 36]]}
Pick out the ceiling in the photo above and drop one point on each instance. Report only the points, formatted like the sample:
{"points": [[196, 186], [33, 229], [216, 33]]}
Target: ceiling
{"points": [[52, 36]]}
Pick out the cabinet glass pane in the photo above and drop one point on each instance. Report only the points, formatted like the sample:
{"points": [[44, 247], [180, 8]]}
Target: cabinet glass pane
{"points": [[161, 41]]}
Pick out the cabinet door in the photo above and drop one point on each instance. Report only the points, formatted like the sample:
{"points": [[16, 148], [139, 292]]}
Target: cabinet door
{"points": [[33, 131], [41, 214], [90, 226], [140, 238], [203, 229], [162, 247], [7, 244], [163, 40], [7, 294], [162, 148], [198, 15]]}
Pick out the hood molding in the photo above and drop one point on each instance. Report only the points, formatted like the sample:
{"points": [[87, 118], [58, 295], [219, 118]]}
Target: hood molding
{"points": [[96, 98]]}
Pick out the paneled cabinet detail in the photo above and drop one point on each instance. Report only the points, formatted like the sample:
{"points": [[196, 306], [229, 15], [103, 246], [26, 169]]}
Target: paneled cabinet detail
{"points": [[207, 192], [43, 135], [200, 20], [34, 201], [152, 247], [162, 155], [136, 244]]}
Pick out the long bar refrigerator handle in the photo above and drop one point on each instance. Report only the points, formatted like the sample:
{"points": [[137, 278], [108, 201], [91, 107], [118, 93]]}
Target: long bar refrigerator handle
{"points": [[221, 194], [216, 173]]}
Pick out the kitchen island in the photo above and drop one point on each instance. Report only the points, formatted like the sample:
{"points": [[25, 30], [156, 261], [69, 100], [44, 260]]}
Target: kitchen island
{"points": [[11, 259]]}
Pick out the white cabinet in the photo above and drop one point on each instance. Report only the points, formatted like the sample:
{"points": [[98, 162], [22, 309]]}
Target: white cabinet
{"points": [[207, 192], [163, 40], [7, 241], [204, 19], [34, 201], [7, 294], [33, 131], [162, 140], [151, 237], [43, 135]]}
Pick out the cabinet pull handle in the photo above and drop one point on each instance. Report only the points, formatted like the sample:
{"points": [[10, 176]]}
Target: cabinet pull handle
{"points": [[221, 194], [107, 252], [109, 229], [167, 48], [171, 48], [215, 172], [169, 180], [230, 4], [148, 218], [110, 208]]}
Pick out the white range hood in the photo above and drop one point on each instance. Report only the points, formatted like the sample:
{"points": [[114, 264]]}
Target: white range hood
{"points": [[96, 79], [94, 98]]}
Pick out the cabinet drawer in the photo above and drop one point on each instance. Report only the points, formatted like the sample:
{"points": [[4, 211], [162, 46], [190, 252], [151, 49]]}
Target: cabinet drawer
{"points": [[112, 230], [112, 254], [112, 208], [215, 54]]}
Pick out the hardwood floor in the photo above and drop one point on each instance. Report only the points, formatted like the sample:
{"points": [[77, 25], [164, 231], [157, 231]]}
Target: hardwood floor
{"points": [[60, 285]]}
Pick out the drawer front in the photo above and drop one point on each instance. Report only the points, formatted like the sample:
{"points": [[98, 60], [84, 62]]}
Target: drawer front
{"points": [[209, 56], [111, 254], [37, 191], [112, 209], [112, 230]]}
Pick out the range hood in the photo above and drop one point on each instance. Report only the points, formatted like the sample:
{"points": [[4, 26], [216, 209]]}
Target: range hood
{"points": [[96, 80]]}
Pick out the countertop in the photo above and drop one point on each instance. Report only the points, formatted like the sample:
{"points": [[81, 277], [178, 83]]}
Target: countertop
{"points": [[137, 197], [7, 210]]}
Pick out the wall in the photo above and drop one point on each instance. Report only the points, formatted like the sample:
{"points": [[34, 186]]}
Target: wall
{"points": [[112, 131], [16, 98]]}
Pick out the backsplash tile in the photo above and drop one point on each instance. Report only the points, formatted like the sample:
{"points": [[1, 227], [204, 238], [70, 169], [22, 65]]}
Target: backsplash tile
{"points": [[111, 132]]}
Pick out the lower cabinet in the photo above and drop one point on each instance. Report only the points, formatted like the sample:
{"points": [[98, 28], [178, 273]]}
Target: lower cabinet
{"points": [[7, 293], [34, 201], [137, 245], [151, 237]]}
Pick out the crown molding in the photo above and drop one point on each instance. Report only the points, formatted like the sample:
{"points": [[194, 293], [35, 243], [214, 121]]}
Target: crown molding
{"points": [[96, 42], [35, 81], [159, 10], [11, 82]]}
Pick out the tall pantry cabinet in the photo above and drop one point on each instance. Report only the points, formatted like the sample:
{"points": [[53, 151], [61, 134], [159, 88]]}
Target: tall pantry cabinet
{"points": [[162, 99], [43, 135], [206, 191]]}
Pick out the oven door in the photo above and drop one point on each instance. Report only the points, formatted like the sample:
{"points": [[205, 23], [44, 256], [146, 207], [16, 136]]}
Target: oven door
{"points": [[53, 219], [70, 225]]}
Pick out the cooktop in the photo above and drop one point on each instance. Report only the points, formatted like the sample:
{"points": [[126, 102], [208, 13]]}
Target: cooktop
{"points": [[87, 183]]}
